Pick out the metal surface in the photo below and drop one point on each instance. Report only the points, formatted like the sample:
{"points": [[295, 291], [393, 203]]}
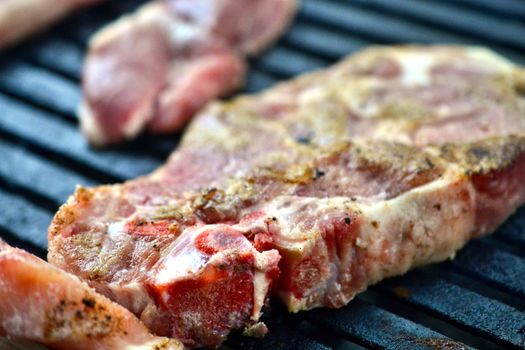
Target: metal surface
{"points": [[477, 300]]}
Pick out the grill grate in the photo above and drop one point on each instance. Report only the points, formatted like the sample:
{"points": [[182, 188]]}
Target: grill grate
{"points": [[478, 299]]}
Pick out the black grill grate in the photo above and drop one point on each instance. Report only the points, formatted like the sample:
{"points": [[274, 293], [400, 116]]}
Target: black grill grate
{"points": [[478, 299]]}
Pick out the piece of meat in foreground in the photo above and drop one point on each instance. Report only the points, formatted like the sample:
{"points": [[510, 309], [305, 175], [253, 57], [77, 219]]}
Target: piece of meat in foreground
{"points": [[157, 67], [391, 159], [21, 18], [44, 304], [195, 288]]}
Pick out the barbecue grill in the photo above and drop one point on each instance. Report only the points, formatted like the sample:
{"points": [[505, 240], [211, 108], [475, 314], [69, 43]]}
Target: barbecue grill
{"points": [[477, 300]]}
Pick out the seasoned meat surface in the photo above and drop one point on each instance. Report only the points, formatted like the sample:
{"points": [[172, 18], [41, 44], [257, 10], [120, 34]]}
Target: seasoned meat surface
{"points": [[44, 304], [310, 191]]}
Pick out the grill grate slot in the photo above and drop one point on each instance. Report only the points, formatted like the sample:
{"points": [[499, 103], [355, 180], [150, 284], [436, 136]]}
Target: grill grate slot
{"points": [[40, 87], [280, 340], [44, 53], [499, 268], [454, 19], [324, 43], [512, 230], [58, 139], [477, 299], [296, 63], [372, 25], [372, 326], [39, 175], [490, 318], [24, 219], [15, 241], [504, 8]]}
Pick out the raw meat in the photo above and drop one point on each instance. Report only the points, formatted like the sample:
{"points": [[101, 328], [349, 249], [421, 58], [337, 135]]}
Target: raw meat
{"points": [[313, 190], [159, 66], [47, 305]]}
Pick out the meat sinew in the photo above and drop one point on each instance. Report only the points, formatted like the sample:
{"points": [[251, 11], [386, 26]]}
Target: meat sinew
{"points": [[157, 67], [47, 305], [313, 190], [20, 18]]}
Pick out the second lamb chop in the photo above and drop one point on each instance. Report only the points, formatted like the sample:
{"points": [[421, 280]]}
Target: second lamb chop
{"points": [[157, 67]]}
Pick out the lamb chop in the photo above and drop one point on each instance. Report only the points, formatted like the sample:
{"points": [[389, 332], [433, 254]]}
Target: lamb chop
{"points": [[157, 67], [21, 18], [311, 191], [47, 305]]}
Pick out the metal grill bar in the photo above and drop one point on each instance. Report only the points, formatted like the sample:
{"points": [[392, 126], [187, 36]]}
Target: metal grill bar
{"points": [[40, 87], [44, 52], [322, 42], [34, 173], [492, 265], [297, 63], [512, 230], [499, 322], [477, 299], [23, 219], [373, 25], [53, 137], [505, 8], [455, 19], [373, 326]]}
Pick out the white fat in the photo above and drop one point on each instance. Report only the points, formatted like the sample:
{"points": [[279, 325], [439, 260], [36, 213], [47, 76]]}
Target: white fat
{"points": [[97, 134], [116, 230], [90, 126], [166, 297], [496, 60], [386, 131], [294, 238], [435, 235], [260, 288], [181, 33], [415, 68], [156, 343], [149, 13], [369, 203], [214, 130], [186, 263], [133, 296], [15, 323]]}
